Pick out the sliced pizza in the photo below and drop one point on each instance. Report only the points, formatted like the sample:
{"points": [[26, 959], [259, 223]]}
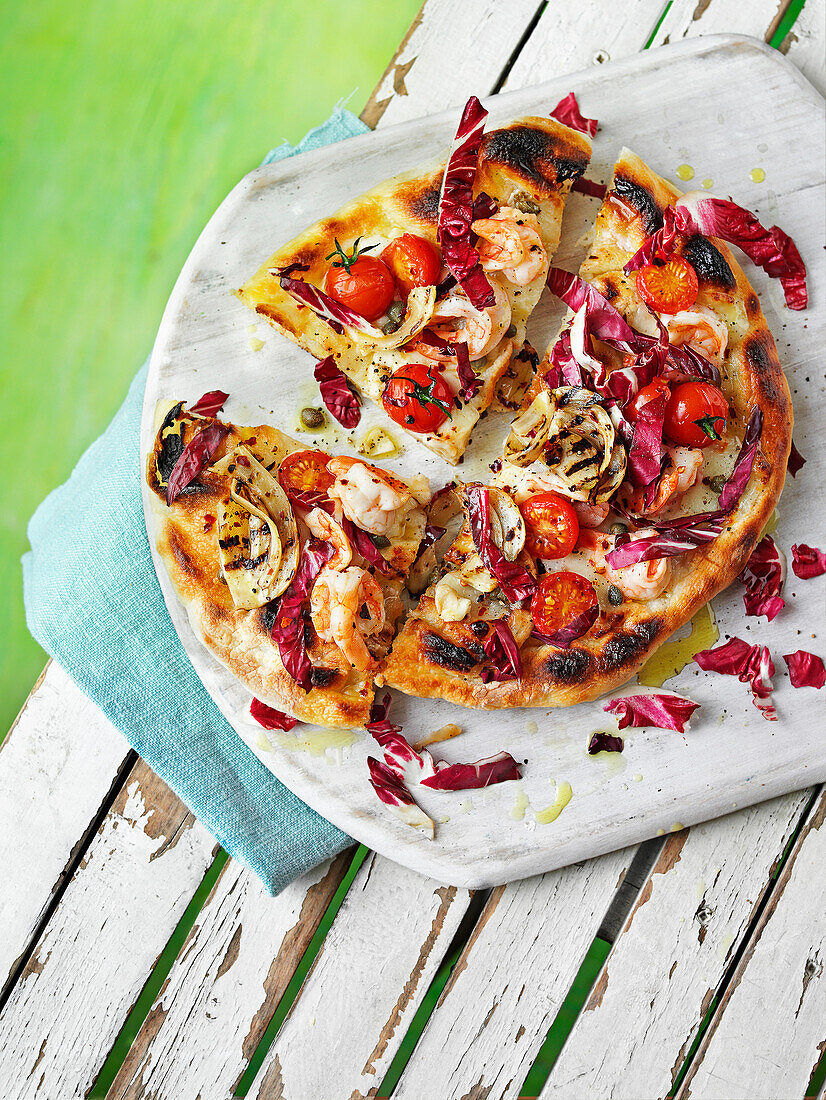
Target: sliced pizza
{"points": [[420, 289], [289, 562], [635, 483]]}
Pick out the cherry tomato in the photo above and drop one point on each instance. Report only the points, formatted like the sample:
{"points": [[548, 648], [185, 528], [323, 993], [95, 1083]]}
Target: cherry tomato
{"points": [[551, 526], [413, 262], [305, 471], [559, 598], [361, 282], [643, 396], [418, 398], [668, 287], [695, 415]]}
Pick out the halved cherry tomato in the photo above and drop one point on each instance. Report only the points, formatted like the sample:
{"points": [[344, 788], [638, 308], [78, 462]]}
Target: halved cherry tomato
{"points": [[646, 394], [695, 415], [668, 287], [418, 397], [551, 525], [305, 471], [361, 282], [559, 598], [413, 261]]}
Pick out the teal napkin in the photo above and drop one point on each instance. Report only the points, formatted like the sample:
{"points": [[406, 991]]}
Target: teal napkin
{"points": [[94, 604]]}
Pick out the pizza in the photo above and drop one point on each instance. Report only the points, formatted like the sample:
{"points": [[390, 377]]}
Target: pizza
{"points": [[420, 290], [633, 486]]}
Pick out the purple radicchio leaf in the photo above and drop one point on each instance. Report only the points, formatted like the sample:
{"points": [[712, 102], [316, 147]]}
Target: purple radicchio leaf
{"points": [[568, 113], [805, 669], [666, 712], [646, 453], [751, 664], [606, 322], [326, 307], [194, 458], [361, 541], [468, 777], [739, 479], [576, 628], [763, 576], [270, 718], [589, 187], [392, 791], [516, 582], [470, 381], [210, 404], [663, 544], [504, 661], [796, 461], [287, 630], [605, 742], [807, 561], [338, 396]]}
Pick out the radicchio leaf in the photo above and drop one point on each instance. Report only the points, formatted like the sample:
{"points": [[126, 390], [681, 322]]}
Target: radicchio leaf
{"points": [[210, 404], [362, 542], [796, 461], [805, 669], [605, 742], [739, 477], [808, 561], [270, 718], [751, 664], [309, 499], [340, 399], [392, 791], [576, 628], [504, 661], [456, 207], [606, 322], [763, 577], [516, 582], [664, 544], [326, 307], [590, 187], [568, 113], [666, 712], [470, 381], [195, 457], [468, 777], [287, 630], [646, 453]]}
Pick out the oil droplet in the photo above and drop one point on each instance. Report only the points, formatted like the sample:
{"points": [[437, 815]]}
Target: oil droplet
{"points": [[552, 812], [256, 344], [444, 820], [708, 184], [531, 727], [615, 761], [252, 328], [520, 805], [771, 524], [672, 657], [757, 175], [314, 740], [638, 779], [685, 172], [676, 827], [660, 832]]}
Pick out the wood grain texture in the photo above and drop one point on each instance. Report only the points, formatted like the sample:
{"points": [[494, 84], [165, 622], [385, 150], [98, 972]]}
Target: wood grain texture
{"points": [[670, 957], [805, 46], [110, 926], [57, 767], [690, 18], [378, 959], [510, 981], [770, 1030], [225, 984]]}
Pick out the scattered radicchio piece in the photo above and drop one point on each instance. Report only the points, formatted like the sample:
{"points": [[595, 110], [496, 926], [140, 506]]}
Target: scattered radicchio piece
{"points": [[579, 625], [605, 742], [470, 381], [751, 664], [270, 718], [392, 791], [504, 662], [195, 457], [309, 499], [699, 212], [563, 364], [379, 722], [646, 453], [516, 582], [666, 712], [605, 321], [468, 777], [287, 630], [805, 669], [484, 206], [362, 542], [337, 394], [568, 113], [739, 478], [808, 561], [763, 577], [456, 207], [326, 307], [210, 404], [796, 461], [590, 187], [432, 533]]}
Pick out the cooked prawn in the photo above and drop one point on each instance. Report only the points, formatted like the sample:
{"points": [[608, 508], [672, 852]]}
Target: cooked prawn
{"points": [[347, 606], [700, 329], [457, 320], [675, 481], [509, 242], [644, 581], [375, 501], [325, 527], [590, 515]]}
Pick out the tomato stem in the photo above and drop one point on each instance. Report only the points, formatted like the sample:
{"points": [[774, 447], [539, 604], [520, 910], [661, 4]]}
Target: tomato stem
{"points": [[344, 260]]}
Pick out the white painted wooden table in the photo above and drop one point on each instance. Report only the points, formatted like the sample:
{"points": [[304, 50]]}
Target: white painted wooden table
{"points": [[714, 985]]}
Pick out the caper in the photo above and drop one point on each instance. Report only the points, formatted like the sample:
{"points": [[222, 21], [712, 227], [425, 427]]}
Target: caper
{"points": [[619, 528], [716, 484], [381, 542], [615, 596], [395, 316], [389, 326], [511, 330], [313, 419], [523, 201]]}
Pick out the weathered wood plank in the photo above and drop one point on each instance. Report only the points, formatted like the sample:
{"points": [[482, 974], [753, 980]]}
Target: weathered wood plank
{"points": [[688, 18], [805, 44], [378, 959], [225, 984], [770, 1029], [510, 981], [94, 956], [672, 954], [450, 51], [58, 765]]}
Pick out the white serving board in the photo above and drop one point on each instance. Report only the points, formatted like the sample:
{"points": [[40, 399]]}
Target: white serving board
{"points": [[725, 106]]}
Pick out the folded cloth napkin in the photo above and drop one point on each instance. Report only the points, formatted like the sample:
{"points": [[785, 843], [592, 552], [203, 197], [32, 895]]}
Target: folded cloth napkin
{"points": [[93, 603]]}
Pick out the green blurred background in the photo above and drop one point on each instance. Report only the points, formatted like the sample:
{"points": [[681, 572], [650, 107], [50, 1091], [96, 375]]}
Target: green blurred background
{"points": [[123, 126]]}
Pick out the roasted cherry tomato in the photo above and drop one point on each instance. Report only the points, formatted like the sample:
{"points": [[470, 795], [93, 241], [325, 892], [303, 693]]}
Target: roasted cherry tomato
{"points": [[646, 394], [305, 471], [413, 261], [418, 398], [559, 598], [361, 282], [668, 287], [551, 525], [695, 415]]}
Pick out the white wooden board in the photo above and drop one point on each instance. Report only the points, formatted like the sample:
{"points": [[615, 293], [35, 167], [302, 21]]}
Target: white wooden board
{"points": [[724, 106]]}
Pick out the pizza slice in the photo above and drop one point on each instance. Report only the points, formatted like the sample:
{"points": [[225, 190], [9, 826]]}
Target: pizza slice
{"points": [[420, 289], [639, 476], [289, 562]]}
